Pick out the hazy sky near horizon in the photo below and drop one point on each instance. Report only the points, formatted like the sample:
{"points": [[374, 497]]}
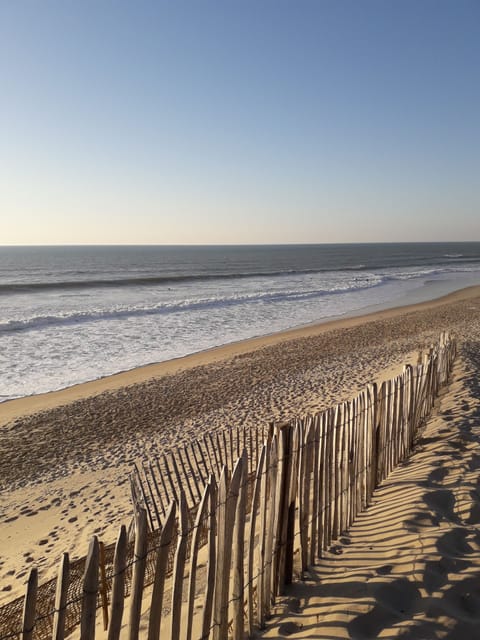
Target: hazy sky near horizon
{"points": [[256, 121]]}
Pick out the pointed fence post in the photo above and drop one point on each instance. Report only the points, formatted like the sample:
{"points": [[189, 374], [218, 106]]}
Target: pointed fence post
{"points": [[202, 515], [118, 585], [212, 560], [226, 523], [29, 606], [61, 599], [140, 562], [252, 536], [156, 602], [90, 590], [179, 569], [238, 555]]}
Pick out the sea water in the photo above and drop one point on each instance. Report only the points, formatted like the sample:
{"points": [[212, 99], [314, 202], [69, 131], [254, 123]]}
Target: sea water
{"points": [[72, 314]]}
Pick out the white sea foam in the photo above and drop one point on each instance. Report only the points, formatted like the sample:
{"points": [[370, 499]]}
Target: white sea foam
{"points": [[58, 335]]}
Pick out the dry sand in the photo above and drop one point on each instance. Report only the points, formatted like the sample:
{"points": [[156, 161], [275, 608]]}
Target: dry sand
{"points": [[410, 565], [65, 456]]}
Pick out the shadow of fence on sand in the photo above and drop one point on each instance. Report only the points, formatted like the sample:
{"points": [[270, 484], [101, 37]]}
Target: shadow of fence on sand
{"points": [[410, 567]]}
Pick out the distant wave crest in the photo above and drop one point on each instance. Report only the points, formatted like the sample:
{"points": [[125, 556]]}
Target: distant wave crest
{"points": [[25, 287], [453, 261]]}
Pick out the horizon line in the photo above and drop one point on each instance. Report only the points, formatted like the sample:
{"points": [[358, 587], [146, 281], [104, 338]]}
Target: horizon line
{"points": [[234, 244]]}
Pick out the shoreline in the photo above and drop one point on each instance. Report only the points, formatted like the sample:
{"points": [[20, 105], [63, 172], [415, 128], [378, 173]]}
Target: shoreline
{"points": [[28, 405]]}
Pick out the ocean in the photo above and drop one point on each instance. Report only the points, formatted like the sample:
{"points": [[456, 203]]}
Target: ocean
{"points": [[73, 314]]}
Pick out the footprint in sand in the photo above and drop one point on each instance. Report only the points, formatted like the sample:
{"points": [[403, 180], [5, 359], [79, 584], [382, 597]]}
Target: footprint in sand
{"points": [[289, 628], [455, 544], [462, 601], [442, 503], [385, 570], [396, 601], [12, 519], [438, 475], [436, 572], [420, 522]]}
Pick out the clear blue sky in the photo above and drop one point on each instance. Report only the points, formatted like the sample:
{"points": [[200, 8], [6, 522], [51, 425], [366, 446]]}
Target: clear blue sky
{"points": [[236, 122]]}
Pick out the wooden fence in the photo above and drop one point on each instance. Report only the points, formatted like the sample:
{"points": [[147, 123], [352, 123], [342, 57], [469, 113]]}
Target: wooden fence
{"points": [[156, 482], [259, 524]]}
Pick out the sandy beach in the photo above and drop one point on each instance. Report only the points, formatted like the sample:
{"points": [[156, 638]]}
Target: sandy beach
{"points": [[65, 456], [409, 566]]}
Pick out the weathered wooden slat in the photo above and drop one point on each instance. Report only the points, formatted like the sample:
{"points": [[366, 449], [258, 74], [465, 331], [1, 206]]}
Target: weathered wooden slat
{"points": [[351, 463], [237, 440], [284, 433], [323, 492], [154, 507], [201, 516], [212, 449], [230, 436], [140, 561], [61, 594], [205, 461], [29, 606], [212, 560], [103, 585], [337, 470], [271, 465], [174, 495], [300, 479], [363, 426], [225, 448], [330, 472], [251, 539], [345, 475], [161, 474], [373, 440], [195, 492], [90, 590], [161, 562], [209, 454], [158, 493], [315, 490], [221, 453], [291, 495], [358, 480], [226, 522], [307, 492], [220, 564], [179, 569], [380, 441], [118, 585], [181, 475], [244, 438], [238, 583], [143, 493], [261, 559], [251, 447]]}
